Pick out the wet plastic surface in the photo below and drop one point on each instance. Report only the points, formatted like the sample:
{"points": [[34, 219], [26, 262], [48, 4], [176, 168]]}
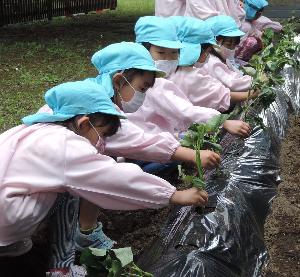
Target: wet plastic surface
{"points": [[229, 241]]}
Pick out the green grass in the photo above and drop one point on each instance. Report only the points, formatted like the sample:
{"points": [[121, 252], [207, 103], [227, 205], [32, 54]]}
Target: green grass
{"points": [[37, 56]]}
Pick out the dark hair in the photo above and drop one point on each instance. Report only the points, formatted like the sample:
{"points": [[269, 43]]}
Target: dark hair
{"points": [[132, 72], [204, 46], [236, 39], [147, 45], [97, 119]]}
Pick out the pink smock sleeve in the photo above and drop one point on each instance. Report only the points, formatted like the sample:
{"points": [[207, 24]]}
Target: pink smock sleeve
{"points": [[201, 9], [169, 7], [233, 80], [202, 90], [134, 142], [264, 22], [167, 106], [111, 185], [250, 30]]}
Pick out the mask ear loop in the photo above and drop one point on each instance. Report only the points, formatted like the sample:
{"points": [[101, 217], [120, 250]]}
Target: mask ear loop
{"points": [[95, 129], [117, 90], [129, 83]]}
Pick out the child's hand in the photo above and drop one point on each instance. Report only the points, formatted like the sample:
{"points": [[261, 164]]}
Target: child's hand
{"points": [[237, 127], [209, 159], [253, 94], [192, 196]]}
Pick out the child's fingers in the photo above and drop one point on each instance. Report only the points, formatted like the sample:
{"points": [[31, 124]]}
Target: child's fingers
{"points": [[215, 159], [201, 201], [244, 132], [209, 159], [204, 195]]}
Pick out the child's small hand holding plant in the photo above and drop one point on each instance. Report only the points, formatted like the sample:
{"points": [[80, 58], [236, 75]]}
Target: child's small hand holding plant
{"points": [[237, 127], [209, 159], [192, 196]]}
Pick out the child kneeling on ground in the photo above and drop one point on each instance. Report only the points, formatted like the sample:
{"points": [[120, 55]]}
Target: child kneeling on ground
{"points": [[61, 152]]}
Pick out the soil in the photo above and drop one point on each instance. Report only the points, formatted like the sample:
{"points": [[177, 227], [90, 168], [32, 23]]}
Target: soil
{"points": [[282, 228]]}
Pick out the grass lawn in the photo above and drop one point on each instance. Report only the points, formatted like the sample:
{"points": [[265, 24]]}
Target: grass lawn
{"points": [[37, 56]]}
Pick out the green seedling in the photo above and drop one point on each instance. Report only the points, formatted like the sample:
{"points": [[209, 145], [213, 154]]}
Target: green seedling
{"points": [[111, 263]]}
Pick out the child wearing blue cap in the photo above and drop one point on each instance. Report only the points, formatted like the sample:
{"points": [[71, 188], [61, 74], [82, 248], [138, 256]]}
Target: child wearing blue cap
{"points": [[253, 26], [125, 70], [58, 152], [221, 64], [166, 105]]}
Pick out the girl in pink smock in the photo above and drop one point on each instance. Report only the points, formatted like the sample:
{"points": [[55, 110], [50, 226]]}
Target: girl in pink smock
{"points": [[221, 63], [253, 26], [63, 152], [127, 71]]}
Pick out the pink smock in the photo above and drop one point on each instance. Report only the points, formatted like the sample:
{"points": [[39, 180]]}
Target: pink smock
{"points": [[201, 9], [202, 89], [233, 80], [169, 7], [256, 27], [207, 8], [167, 109], [140, 142], [264, 22], [41, 160]]}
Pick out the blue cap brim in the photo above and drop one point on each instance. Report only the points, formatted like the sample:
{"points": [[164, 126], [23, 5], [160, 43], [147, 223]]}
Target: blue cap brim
{"points": [[189, 54], [210, 41], [158, 73], [235, 33], [167, 44]]}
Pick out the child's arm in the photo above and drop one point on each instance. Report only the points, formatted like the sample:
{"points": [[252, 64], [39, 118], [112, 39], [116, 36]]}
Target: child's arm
{"points": [[134, 143], [209, 159], [202, 89], [237, 97], [166, 100], [118, 186], [232, 80]]}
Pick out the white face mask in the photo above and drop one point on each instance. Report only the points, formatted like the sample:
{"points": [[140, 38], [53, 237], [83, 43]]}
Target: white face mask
{"points": [[167, 66], [100, 145], [199, 65], [135, 102], [224, 52]]}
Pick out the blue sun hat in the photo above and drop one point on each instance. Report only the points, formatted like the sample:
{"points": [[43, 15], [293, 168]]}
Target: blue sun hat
{"points": [[223, 25], [158, 31], [120, 56], [74, 98], [253, 6], [192, 32]]}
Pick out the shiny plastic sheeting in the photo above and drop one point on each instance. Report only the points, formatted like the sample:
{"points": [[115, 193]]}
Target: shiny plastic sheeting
{"points": [[229, 241]]}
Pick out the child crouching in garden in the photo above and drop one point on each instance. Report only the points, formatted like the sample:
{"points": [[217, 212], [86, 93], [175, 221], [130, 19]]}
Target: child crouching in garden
{"points": [[62, 152]]}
